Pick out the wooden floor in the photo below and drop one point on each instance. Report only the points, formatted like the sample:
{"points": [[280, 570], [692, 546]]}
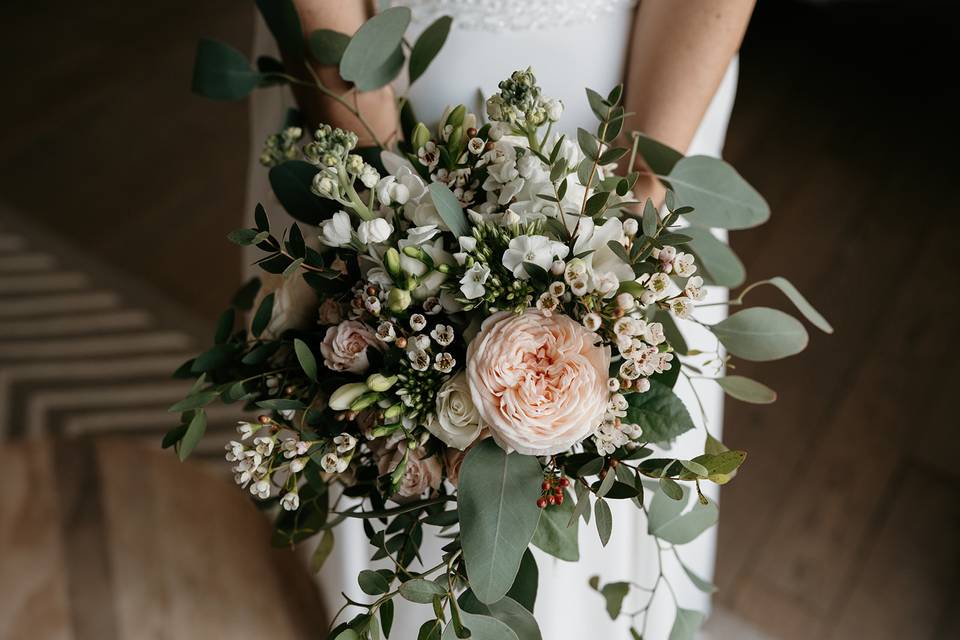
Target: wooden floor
{"points": [[845, 521]]}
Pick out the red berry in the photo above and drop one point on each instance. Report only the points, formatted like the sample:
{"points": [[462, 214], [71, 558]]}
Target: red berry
{"points": [[545, 485], [564, 482], [560, 499], [551, 499], [542, 503]]}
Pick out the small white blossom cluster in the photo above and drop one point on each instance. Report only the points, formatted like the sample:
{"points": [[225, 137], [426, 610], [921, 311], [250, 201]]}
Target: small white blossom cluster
{"points": [[425, 351], [613, 433], [338, 458]]}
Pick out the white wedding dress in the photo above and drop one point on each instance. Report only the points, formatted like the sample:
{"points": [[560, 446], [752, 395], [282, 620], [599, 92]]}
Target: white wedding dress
{"points": [[570, 44]]}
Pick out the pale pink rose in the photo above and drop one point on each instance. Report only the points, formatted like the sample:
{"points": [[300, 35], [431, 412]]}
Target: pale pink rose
{"points": [[344, 347], [539, 382], [420, 476], [453, 458]]}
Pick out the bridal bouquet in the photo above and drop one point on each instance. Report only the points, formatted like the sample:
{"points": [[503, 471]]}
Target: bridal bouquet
{"points": [[489, 342]]}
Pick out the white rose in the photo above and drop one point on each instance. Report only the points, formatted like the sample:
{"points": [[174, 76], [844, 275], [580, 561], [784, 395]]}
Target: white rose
{"points": [[456, 422], [374, 231], [336, 231]]}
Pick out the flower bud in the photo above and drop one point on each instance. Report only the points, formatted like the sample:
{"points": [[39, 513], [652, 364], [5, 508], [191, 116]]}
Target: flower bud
{"points": [[364, 401], [344, 396], [398, 300], [391, 262], [380, 382], [393, 411], [455, 119], [420, 136]]}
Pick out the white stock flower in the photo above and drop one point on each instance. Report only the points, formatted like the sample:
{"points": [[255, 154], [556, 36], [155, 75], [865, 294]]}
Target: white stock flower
{"points": [[423, 214], [369, 176], [456, 421], [539, 250], [554, 109], [374, 231], [471, 284], [597, 238], [337, 231]]}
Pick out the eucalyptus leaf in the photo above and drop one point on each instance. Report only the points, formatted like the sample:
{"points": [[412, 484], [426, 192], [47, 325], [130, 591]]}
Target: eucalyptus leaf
{"points": [[524, 589], [686, 624], [220, 72], [799, 301], [386, 617], [761, 334], [322, 552], [262, 317], [658, 156], [721, 197], [703, 585], [193, 434], [517, 617], [428, 45], [306, 358], [370, 59], [651, 219], [481, 628], [588, 144], [604, 520], [498, 516], [373, 583], [660, 414], [614, 594], [194, 401], [553, 534], [678, 527], [449, 208], [747, 390], [421, 591], [327, 46], [722, 266], [671, 331]]}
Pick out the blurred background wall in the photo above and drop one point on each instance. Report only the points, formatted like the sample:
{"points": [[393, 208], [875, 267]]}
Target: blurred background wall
{"points": [[117, 187]]}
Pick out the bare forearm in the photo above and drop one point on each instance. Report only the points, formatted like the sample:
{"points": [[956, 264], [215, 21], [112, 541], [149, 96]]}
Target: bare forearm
{"points": [[680, 50], [377, 107]]}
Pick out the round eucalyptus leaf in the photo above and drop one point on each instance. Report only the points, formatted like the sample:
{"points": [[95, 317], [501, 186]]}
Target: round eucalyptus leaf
{"points": [[498, 516], [371, 58], [675, 526], [481, 628], [761, 334], [686, 624], [428, 45], [220, 72], [721, 197], [554, 536], [421, 591], [327, 46], [721, 265], [514, 615]]}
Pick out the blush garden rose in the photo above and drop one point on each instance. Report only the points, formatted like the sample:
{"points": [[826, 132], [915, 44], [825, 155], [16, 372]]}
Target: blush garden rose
{"points": [[539, 381]]}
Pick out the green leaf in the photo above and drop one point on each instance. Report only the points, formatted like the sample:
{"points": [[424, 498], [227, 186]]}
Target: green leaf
{"points": [[224, 326], [668, 522], [614, 593], [428, 45], [800, 302], [374, 57], [612, 155], [651, 219], [481, 628], [306, 358], [588, 144], [262, 318], [193, 434], [598, 104], [747, 390], [243, 237], [524, 589], [220, 72], [618, 250], [194, 401], [421, 591], [281, 404], [604, 520], [291, 182], [660, 413], [327, 46], [722, 266], [284, 23], [322, 552], [553, 534], [347, 634], [720, 466], [498, 516], [701, 584], [430, 630], [671, 489], [686, 624], [373, 583], [449, 208], [695, 468], [583, 505], [517, 617], [596, 203], [671, 331], [761, 334], [245, 295], [658, 156], [721, 197], [386, 617]]}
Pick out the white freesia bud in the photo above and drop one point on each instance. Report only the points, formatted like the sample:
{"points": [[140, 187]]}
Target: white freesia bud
{"points": [[380, 382], [337, 231], [554, 109], [344, 396], [374, 231]]}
